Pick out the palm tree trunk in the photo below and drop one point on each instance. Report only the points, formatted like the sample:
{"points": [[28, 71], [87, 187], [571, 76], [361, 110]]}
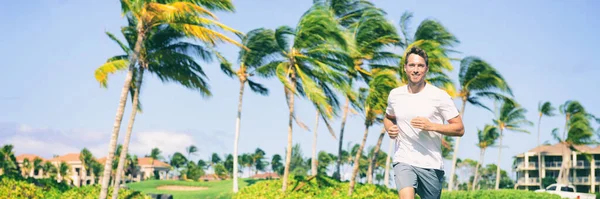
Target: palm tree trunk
{"points": [[288, 156], [357, 161], [499, 157], [339, 158], [539, 153], [120, 110], [314, 148], [124, 149], [237, 138], [481, 154], [386, 177], [374, 158], [455, 151]]}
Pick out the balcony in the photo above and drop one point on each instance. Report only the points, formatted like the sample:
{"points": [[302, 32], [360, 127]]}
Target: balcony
{"points": [[528, 181], [532, 165], [581, 180], [582, 164], [553, 165]]}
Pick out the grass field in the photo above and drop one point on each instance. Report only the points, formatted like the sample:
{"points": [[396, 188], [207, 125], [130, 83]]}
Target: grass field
{"points": [[216, 189]]}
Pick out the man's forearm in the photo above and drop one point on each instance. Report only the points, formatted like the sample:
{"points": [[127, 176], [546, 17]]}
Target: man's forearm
{"points": [[452, 129], [387, 122]]}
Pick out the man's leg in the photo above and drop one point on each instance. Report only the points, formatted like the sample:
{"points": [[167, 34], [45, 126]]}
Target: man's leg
{"points": [[430, 183], [406, 180]]}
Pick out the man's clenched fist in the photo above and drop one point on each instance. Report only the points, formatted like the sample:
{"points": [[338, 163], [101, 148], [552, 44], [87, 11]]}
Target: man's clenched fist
{"points": [[393, 131]]}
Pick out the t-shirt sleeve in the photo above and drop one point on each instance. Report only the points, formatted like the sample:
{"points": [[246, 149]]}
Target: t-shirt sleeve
{"points": [[390, 109], [446, 107]]}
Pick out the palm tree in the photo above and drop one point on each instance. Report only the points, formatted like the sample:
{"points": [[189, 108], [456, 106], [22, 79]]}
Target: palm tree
{"points": [[188, 17], [276, 164], [487, 137], [577, 131], [368, 33], [37, 165], [374, 158], [259, 43], [510, 117], [167, 57], [27, 166], [64, 170], [547, 110], [86, 158], [312, 59], [191, 150], [374, 100], [477, 79], [8, 162]]}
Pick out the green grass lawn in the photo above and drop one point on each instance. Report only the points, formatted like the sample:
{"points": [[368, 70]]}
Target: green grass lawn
{"points": [[216, 189]]}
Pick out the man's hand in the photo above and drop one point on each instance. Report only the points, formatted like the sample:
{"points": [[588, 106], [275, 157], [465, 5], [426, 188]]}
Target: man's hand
{"points": [[422, 123], [393, 131]]}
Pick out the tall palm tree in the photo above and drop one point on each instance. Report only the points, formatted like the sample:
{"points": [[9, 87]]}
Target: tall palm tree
{"points": [[8, 162], [577, 131], [64, 170], [276, 164], [487, 137], [190, 151], [374, 158], [166, 56], [477, 79], [374, 100], [87, 159], [259, 43], [188, 17], [544, 109], [511, 116], [308, 56], [368, 33]]}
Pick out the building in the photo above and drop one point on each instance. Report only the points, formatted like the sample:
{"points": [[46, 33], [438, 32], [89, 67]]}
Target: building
{"points": [[583, 170], [145, 170]]}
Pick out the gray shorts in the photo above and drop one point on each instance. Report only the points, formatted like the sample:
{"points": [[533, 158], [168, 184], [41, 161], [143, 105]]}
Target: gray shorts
{"points": [[427, 182]]}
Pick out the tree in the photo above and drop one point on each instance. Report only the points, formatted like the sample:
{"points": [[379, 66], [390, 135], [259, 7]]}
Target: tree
{"points": [[8, 162], [276, 164], [190, 151], [304, 63], [259, 44], [185, 16], [477, 80], [374, 158], [368, 33], [511, 116], [577, 131], [487, 137], [544, 109], [87, 161], [374, 100]]}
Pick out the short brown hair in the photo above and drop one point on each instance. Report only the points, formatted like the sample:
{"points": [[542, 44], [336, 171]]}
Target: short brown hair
{"points": [[417, 51]]}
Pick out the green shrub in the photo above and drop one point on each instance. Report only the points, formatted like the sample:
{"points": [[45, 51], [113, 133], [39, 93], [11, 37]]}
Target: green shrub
{"points": [[327, 188], [10, 188], [93, 191], [502, 193]]}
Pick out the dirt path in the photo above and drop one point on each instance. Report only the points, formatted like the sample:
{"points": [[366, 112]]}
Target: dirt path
{"points": [[180, 188]]}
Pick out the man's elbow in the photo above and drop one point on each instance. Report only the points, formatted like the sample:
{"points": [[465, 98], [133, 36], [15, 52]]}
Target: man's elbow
{"points": [[461, 131]]}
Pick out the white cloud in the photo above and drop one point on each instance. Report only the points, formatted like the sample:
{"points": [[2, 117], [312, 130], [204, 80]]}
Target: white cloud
{"points": [[47, 142]]}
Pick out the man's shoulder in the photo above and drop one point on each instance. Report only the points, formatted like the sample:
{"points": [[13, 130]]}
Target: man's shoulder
{"points": [[438, 92], [399, 90]]}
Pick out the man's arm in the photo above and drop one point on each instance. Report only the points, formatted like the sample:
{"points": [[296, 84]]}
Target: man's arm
{"points": [[389, 121], [453, 128]]}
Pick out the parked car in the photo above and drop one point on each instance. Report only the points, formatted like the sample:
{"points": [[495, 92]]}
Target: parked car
{"points": [[566, 191]]}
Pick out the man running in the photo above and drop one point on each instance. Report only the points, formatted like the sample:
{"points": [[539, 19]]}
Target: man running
{"points": [[415, 119]]}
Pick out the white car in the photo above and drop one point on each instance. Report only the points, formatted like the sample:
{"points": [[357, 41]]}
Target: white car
{"points": [[566, 191]]}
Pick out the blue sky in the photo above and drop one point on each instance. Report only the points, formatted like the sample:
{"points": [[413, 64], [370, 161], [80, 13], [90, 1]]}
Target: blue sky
{"points": [[51, 104]]}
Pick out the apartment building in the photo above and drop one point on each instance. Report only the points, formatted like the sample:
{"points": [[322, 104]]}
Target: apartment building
{"points": [[583, 170], [146, 168]]}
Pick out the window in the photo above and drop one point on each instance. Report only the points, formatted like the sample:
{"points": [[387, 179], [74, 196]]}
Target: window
{"points": [[552, 188], [567, 189]]}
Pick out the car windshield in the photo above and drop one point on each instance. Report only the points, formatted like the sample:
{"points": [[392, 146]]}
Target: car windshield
{"points": [[552, 188], [567, 189]]}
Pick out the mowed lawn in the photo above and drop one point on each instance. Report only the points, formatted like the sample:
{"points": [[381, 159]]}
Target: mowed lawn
{"points": [[216, 189]]}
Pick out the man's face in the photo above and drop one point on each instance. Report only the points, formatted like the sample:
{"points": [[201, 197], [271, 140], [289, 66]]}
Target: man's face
{"points": [[415, 68]]}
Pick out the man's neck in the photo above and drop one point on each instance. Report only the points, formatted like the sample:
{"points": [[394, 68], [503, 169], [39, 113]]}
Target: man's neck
{"points": [[416, 87]]}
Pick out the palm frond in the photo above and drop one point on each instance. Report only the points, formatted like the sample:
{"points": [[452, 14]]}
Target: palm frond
{"points": [[258, 88], [110, 67]]}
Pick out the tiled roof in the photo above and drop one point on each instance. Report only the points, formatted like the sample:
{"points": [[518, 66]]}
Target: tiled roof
{"points": [[148, 162], [557, 149], [71, 157], [265, 175], [28, 156]]}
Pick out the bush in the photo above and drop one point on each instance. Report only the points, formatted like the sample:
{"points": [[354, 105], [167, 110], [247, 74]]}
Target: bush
{"points": [[92, 191], [48, 189], [317, 187], [502, 193], [325, 187]]}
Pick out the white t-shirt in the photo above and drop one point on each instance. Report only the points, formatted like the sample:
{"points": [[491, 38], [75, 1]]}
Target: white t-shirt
{"points": [[414, 146]]}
